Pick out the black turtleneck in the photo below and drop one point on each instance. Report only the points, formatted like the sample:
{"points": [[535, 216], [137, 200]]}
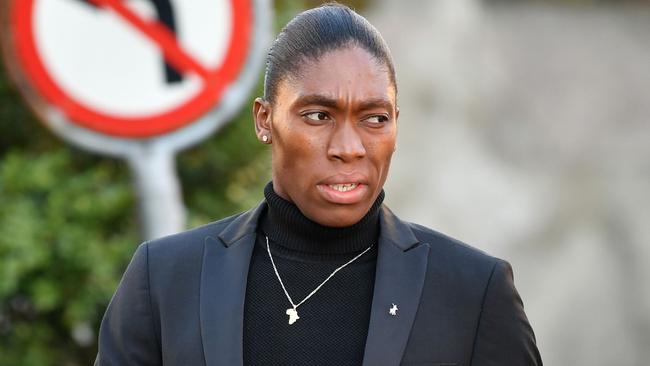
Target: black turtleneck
{"points": [[333, 323]]}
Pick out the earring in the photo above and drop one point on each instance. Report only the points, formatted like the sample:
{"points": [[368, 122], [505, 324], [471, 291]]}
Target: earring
{"points": [[265, 139]]}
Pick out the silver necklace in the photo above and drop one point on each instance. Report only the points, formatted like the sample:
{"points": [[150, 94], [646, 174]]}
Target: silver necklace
{"points": [[293, 311]]}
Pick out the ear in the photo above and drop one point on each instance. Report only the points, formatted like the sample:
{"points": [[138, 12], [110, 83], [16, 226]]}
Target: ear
{"points": [[262, 112]]}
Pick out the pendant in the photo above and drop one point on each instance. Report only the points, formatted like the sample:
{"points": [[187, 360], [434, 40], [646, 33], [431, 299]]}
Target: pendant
{"points": [[293, 315]]}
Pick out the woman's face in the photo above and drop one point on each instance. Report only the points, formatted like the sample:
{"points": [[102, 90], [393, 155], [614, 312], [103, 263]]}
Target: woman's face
{"points": [[332, 129]]}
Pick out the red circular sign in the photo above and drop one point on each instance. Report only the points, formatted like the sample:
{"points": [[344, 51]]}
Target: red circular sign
{"points": [[214, 80]]}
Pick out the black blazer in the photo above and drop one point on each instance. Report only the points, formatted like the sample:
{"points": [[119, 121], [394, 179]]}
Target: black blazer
{"points": [[181, 301]]}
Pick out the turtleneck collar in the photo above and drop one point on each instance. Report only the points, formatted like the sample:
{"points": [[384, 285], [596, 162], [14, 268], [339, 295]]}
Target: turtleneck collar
{"points": [[288, 227]]}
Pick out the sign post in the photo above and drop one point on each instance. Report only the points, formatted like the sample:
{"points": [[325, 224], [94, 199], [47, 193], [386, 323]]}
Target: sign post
{"points": [[137, 79]]}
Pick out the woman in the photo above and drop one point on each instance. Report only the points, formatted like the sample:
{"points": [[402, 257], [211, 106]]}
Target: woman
{"points": [[321, 272]]}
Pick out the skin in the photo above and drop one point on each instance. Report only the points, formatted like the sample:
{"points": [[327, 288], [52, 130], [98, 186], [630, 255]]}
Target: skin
{"points": [[333, 122]]}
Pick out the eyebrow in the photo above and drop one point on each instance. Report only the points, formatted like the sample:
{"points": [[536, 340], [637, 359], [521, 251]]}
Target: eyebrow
{"points": [[318, 99], [326, 101], [376, 103]]}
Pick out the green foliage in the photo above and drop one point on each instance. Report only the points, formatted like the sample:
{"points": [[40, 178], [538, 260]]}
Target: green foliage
{"points": [[66, 233]]}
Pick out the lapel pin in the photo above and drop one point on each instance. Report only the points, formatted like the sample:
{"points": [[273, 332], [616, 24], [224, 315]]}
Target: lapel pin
{"points": [[393, 310]]}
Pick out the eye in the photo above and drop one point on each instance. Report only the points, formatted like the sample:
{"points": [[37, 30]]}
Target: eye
{"points": [[377, 119], [316, 116]]}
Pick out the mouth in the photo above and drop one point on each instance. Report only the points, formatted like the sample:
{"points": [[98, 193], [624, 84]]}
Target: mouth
{"points": [[343, 187], [343, 193]]}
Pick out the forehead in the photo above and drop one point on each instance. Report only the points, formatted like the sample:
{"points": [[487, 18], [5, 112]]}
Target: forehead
{"points": [[349, 73]]}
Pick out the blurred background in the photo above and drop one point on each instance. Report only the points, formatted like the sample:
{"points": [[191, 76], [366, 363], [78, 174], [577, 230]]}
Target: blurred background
{"points": [[523, 131]]}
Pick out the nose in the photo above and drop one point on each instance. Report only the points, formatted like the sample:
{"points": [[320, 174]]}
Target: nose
{"points": [[345, 144]]}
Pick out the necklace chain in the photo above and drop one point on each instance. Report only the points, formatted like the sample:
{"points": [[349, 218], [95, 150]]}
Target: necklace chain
{"points": [[277, 274]]}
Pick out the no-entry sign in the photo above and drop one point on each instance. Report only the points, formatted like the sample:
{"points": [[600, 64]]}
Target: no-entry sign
{"points": [[132, 69], [137, 79]]}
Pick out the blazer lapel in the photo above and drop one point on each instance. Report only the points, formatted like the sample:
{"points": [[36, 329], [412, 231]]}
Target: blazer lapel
{"points": [[400, 274], [226, 259], [401, 269]]}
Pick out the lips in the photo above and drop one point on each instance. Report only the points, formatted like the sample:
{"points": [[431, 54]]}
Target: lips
{"points": [[344, 189]]}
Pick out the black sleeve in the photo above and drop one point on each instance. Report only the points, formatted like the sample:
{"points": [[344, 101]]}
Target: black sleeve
{"points": [[127, 335], [504, 337]]}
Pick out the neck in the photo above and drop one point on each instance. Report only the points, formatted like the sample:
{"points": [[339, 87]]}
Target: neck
{"points": [[288, 227]]}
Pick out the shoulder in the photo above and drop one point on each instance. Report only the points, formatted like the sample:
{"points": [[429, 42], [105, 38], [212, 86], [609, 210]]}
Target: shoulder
{"points": [[461, 273], [444, 252], [467, 288], [453, 259], [442, 243], [190, 239], [174, 263], [179, 253]]}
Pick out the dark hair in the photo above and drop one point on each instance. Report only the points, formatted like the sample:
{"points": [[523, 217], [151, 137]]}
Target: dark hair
{"points": [[315, 32]]}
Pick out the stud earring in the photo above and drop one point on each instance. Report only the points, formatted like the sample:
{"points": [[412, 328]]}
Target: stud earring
{"points": [[265, 139]]}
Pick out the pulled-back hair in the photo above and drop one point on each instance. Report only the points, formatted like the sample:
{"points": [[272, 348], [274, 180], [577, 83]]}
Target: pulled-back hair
{"points": [[315, 32]]}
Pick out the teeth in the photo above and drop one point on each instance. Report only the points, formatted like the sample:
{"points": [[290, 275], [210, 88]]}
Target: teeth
{"points": [[343, 187]]}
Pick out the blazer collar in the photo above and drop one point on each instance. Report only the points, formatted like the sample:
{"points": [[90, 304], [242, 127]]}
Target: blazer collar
{"points": [[242, 225], [399, 279], [395, 231]]}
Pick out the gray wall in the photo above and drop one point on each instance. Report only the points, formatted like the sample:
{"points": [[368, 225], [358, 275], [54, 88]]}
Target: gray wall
{"points": [[524, 131]]}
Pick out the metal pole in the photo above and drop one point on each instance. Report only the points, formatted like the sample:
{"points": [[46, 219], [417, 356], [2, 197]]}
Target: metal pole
{"points": [[158, 190]]}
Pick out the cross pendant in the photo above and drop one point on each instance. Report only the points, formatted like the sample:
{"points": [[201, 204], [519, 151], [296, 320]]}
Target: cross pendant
{"points": [[293, 315]]}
